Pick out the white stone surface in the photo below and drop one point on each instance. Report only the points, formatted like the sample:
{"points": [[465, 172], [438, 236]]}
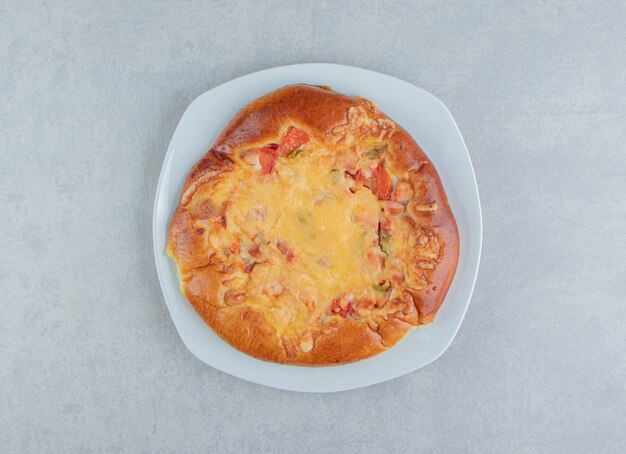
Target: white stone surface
{"points": [[90, 93]]}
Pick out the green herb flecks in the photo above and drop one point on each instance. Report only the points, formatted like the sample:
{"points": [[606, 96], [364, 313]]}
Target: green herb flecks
{"points": [[381, 286], [295, 153], [376, 152]]}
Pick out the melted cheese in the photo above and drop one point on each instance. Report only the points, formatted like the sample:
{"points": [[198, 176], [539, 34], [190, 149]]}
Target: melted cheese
{"points": [[304, 209]]}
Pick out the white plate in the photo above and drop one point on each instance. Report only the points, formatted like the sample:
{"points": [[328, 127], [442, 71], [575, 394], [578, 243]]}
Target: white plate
{"points": [[427, 119]]}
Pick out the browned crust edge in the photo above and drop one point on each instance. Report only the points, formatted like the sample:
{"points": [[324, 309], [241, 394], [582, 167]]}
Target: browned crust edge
{"points": [[317, 110]]}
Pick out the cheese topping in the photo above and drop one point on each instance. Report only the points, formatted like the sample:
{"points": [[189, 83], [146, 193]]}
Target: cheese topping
{"points": [[304, 233], [312, 232]]}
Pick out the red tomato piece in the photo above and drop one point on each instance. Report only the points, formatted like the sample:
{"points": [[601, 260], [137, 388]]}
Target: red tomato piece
{"points": [[349, 310], [336, 308], [255, 251], [294, 138], [267, 159], [285, 250], [383, 183]]}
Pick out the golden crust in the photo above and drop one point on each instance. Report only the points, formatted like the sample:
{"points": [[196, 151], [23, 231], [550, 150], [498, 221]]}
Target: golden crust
{"points": [[426, 227]]}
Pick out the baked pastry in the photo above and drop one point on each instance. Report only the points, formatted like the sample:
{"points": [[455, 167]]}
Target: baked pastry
{"points": [[315, 231]]}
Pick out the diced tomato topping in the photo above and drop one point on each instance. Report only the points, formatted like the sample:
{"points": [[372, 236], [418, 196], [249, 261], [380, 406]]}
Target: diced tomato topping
{"points": [[267, 159], [249, 266], [349, 310], [285, 250], [294, 138], [383, 183], [336, 308], [254, 251]]}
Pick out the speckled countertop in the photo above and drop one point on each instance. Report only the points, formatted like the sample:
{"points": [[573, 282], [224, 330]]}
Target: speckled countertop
{"points": [[90, 95]]}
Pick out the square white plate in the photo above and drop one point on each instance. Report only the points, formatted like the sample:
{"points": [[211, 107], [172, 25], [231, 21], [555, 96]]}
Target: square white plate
{"points": [[427, 119]]}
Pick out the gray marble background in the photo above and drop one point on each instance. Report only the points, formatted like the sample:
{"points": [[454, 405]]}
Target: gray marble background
{"points": [[90, 95]]}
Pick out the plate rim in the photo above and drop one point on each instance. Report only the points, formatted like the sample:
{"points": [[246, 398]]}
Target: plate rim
{"points": [[473, 260]]}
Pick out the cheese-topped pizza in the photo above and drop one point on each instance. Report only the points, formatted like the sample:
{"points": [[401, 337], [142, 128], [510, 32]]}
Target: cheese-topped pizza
{"points": [[315, 231]]}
